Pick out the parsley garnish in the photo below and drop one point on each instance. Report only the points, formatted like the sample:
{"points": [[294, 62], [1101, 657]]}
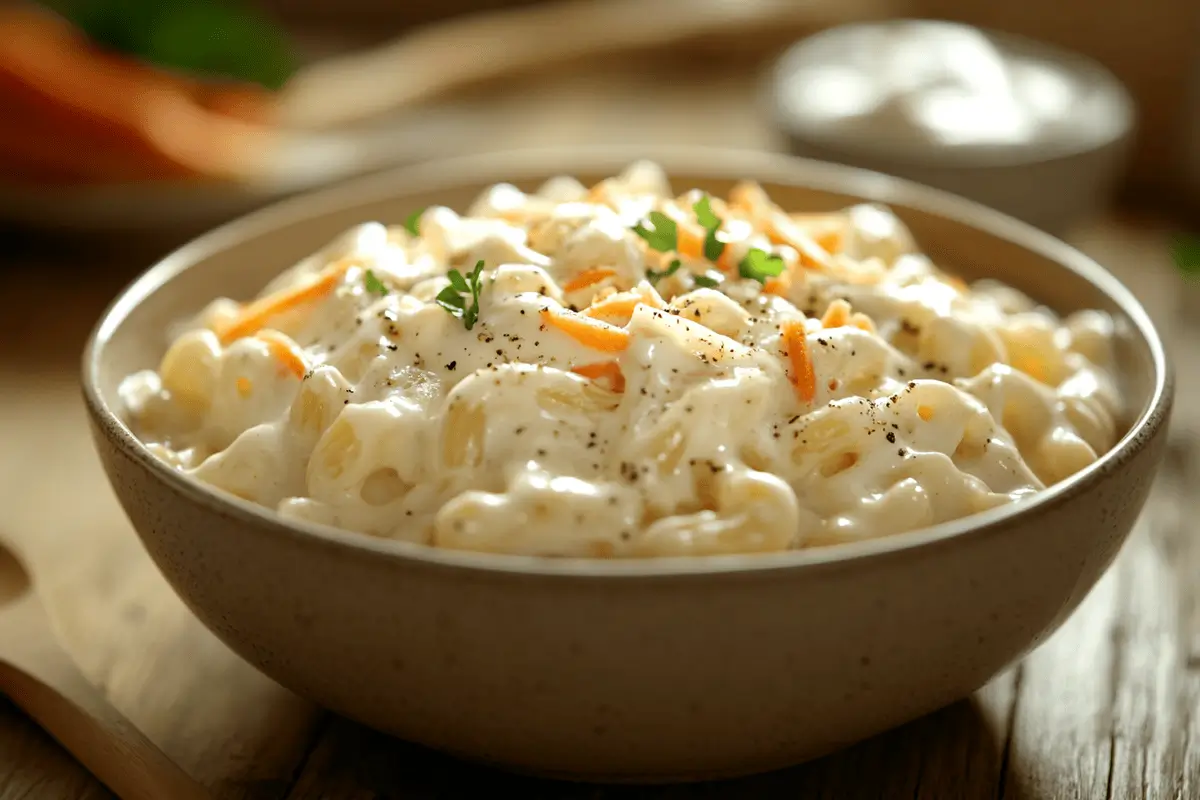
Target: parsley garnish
{"points": [[661, 235], [713, 247], [451, 298], [1186, 252], [373, 285], [413, 223], [759, 265], [654, 276]]}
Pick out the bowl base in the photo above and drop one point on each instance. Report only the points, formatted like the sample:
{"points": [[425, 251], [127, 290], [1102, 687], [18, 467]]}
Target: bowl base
{"points": [[644, 779]]}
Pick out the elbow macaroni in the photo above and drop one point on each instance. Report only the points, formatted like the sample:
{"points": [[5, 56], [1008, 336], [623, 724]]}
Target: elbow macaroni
{"points": [[616, 397]]}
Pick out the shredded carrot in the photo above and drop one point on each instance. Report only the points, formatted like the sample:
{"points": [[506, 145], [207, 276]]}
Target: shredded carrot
{"points": [[803, 377], [600, 193], [827, 230], [587, 331], [606, 370], [782, 230], [777, 286], [862, 322], [748, 196], [837, 315], [958, 283], [688, 243], [588, 277], [254, 316], [244, 386], [285, 351], [620, 306], [925, 413], [751, 199], [725, 261]]}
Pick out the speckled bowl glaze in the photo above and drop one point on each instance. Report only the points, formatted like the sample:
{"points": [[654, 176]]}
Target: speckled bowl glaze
{"points": [[632, 670]]}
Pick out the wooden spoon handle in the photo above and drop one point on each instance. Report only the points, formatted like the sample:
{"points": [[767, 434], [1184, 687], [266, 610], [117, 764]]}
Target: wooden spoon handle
{"points": [[496, 44], [75, 712]]}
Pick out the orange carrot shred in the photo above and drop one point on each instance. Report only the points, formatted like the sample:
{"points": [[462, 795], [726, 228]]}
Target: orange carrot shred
{"points": [[688, 243], [862, 322], [285, 351], [587, 331], [254, 316], [782, 230], [606, 370], [588, 277], [827, 230], [803, 377], [837, 315], [621, 305], [776, 286], [615, 307]]}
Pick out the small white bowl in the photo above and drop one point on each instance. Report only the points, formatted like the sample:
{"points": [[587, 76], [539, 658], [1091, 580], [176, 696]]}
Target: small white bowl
{"points": [[1037, 132]]}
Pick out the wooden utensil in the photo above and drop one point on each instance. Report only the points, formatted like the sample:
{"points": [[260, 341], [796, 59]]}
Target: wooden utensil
{"points": [[499, 44], [42, 679]]}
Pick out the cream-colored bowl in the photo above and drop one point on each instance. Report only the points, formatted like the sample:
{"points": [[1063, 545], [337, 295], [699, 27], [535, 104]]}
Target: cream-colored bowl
{"points": [[628, 670]]}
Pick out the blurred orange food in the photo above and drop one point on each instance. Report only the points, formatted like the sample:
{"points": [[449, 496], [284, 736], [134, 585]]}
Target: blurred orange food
{"points": [[76, 114]]}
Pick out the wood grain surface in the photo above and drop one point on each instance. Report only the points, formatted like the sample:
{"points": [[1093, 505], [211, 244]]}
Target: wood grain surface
{"points": [[1106, 709]]}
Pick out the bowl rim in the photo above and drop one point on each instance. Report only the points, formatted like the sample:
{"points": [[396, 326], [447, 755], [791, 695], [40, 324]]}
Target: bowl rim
{"points": [[719, 163], [966, 157]]}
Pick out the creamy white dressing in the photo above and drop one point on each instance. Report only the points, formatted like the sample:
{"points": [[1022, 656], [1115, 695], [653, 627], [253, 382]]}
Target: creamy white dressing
{"points": [[687, 428]]}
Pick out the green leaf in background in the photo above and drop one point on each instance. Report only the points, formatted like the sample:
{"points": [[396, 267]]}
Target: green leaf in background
{"points": [[1186, 252], [212, 38]]}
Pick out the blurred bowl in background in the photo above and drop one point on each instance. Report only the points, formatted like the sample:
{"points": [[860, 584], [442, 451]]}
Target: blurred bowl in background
{"points": [[1029, 129]]}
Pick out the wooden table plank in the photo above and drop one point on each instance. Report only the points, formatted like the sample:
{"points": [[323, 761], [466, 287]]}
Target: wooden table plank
{"points": [[1153, 684], [955, 753], [34, 767]]}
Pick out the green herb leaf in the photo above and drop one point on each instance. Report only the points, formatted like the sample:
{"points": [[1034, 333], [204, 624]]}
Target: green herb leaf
{"points": [[662, 234], [705, 215], [451, 298], [759, 265], [706, 282], [373, 285], [713, 247], [413, 223], [654, 276], [1186, 252]]}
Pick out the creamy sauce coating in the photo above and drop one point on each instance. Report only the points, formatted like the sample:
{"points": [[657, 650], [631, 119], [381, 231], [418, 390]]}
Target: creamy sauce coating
{"points": [[617, 397]]}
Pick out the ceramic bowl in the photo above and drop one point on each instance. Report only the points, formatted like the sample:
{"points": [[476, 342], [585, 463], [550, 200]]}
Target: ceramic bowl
{"points": [[1065, 174], [628, 670]]}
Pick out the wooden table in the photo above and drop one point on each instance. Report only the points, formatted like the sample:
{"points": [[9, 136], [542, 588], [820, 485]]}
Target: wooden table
{"points": [[1108, 708]]}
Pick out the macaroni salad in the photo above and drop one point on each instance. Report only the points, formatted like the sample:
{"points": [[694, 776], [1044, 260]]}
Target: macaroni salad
{"points": [[620, 371]]}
